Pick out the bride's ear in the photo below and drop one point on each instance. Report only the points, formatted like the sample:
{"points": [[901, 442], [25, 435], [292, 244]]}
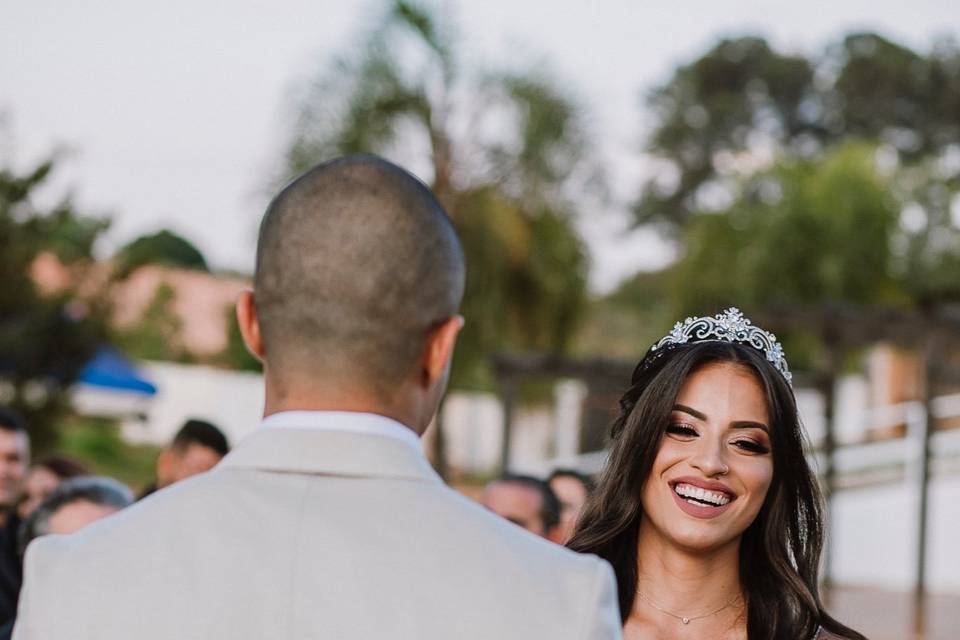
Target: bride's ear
{"points": [[249, 324]]}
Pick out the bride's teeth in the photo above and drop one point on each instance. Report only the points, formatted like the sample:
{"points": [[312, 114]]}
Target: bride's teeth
{"points": [[697, 493]]}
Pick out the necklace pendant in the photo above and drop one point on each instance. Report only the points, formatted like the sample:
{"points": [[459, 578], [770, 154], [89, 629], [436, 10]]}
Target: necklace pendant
{"points": [[685, 620]]}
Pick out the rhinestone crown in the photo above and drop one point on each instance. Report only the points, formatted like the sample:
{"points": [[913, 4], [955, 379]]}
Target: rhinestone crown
{"points": [[729, 326]]}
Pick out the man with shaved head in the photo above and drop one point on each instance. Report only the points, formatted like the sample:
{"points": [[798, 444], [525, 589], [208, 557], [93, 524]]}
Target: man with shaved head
{"points": [[327, 522]]}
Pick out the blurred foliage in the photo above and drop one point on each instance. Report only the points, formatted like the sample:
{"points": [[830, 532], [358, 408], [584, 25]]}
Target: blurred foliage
{"points": [[98, 444], [626, 322], [44, 340], [928, 245], [163, 247], [804, 182], [235, 355], [157, 333], [805, 231], [742, 99], [506, 150]]}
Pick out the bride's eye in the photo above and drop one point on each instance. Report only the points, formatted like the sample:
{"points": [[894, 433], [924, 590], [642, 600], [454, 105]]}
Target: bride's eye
{"points": [[682, 430], [751, 446]]}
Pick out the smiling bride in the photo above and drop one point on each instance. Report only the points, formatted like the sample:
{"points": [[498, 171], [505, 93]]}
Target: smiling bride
{"points": [[707, 509]]}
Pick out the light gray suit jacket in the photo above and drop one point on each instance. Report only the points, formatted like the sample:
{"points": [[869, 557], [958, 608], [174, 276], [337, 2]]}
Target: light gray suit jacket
{"points": [[312, 534]]}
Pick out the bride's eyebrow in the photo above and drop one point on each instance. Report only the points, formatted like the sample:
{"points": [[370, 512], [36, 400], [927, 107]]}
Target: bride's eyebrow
{"points": [[693, 412], [739, 424], [750, 424]]}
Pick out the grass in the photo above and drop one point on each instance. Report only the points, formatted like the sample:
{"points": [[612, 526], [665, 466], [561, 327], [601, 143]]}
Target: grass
{"points": [[97, 443]]}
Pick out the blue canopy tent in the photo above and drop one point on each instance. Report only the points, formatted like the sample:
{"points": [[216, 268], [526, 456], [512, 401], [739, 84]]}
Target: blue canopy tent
{"points": [[109, 369]]}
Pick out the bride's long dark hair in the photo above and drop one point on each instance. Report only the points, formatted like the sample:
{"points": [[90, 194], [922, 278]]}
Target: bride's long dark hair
{"points": [[779, 551]]}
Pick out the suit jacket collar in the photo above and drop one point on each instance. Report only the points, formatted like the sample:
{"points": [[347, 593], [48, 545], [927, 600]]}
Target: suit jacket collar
{"points": [[329, 452]]}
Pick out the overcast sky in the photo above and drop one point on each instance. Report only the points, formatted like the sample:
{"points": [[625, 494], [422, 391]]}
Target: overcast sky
{"points": [[174, 114]]}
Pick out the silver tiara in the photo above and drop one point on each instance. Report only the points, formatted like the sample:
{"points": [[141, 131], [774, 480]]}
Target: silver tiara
{"points": [[729, 326]]}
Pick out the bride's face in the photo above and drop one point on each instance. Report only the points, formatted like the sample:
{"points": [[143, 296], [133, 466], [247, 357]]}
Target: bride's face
{"points": [[714, 467]]}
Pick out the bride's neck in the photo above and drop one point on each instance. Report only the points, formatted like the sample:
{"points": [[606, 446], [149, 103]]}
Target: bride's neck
{"points": [[685, 581]]}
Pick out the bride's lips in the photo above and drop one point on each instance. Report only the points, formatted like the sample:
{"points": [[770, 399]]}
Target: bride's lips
{"points": [[697, 510]]}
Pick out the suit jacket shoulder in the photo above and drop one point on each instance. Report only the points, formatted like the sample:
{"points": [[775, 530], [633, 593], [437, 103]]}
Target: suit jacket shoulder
{"points": [[313, 536]]}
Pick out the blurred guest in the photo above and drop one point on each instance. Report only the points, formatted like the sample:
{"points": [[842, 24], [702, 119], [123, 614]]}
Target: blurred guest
{"points": [[14, 453], [72, 505], [44, 476], [196, 448], [572, 489], [527, 502]]}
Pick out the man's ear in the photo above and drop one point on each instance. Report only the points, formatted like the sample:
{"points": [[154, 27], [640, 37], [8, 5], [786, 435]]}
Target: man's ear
{"points": [[439, 349], [249, 325]]}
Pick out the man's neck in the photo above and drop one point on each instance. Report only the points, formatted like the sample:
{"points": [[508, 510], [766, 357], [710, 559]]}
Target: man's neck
{"points": [[351, 402]]}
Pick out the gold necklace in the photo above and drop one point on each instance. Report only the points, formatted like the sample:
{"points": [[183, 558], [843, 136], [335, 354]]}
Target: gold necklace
{"points": [[685, 619]]}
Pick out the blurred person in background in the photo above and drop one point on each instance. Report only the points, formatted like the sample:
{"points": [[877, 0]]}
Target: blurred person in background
{"points": [[74, 504], [572, 489], [14, 454], [198, 447], [69, 507], [44, 476], [328, 521], [527, 502]]}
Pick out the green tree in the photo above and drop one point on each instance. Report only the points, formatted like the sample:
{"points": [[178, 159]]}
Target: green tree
{"points": [[804, 232], [163, 247], [44, 340], [157, 333], [741, 100], [504, 151]]}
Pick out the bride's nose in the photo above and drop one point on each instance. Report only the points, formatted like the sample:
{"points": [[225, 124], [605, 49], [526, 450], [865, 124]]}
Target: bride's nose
{"points": [[710, 457]]}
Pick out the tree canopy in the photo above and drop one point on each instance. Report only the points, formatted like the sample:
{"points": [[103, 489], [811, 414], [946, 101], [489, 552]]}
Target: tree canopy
{"points": [[804, 231], [503, 151], [45, 340], [807, 181], [163, 247], [741, 103]]}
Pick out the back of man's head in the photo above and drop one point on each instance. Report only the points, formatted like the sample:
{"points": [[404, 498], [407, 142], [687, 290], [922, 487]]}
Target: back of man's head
{"points": [[356, 263]]}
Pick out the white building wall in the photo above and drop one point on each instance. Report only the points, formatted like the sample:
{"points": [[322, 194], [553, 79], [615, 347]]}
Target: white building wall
{"points": [[231, 400], [473, 426]]}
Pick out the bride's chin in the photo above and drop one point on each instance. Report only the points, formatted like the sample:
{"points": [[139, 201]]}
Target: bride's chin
{"points": [[705, 545], [692, 538]]}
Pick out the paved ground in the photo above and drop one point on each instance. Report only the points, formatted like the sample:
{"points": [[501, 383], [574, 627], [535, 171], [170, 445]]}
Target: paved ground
{"points": [[885, 615]]}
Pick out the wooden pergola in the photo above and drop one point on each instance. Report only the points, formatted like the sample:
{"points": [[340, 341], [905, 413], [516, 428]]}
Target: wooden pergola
{"points": [[599, 375]]}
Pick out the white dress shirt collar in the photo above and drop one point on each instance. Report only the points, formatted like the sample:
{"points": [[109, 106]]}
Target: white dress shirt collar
{"points": [[346, 421]]}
